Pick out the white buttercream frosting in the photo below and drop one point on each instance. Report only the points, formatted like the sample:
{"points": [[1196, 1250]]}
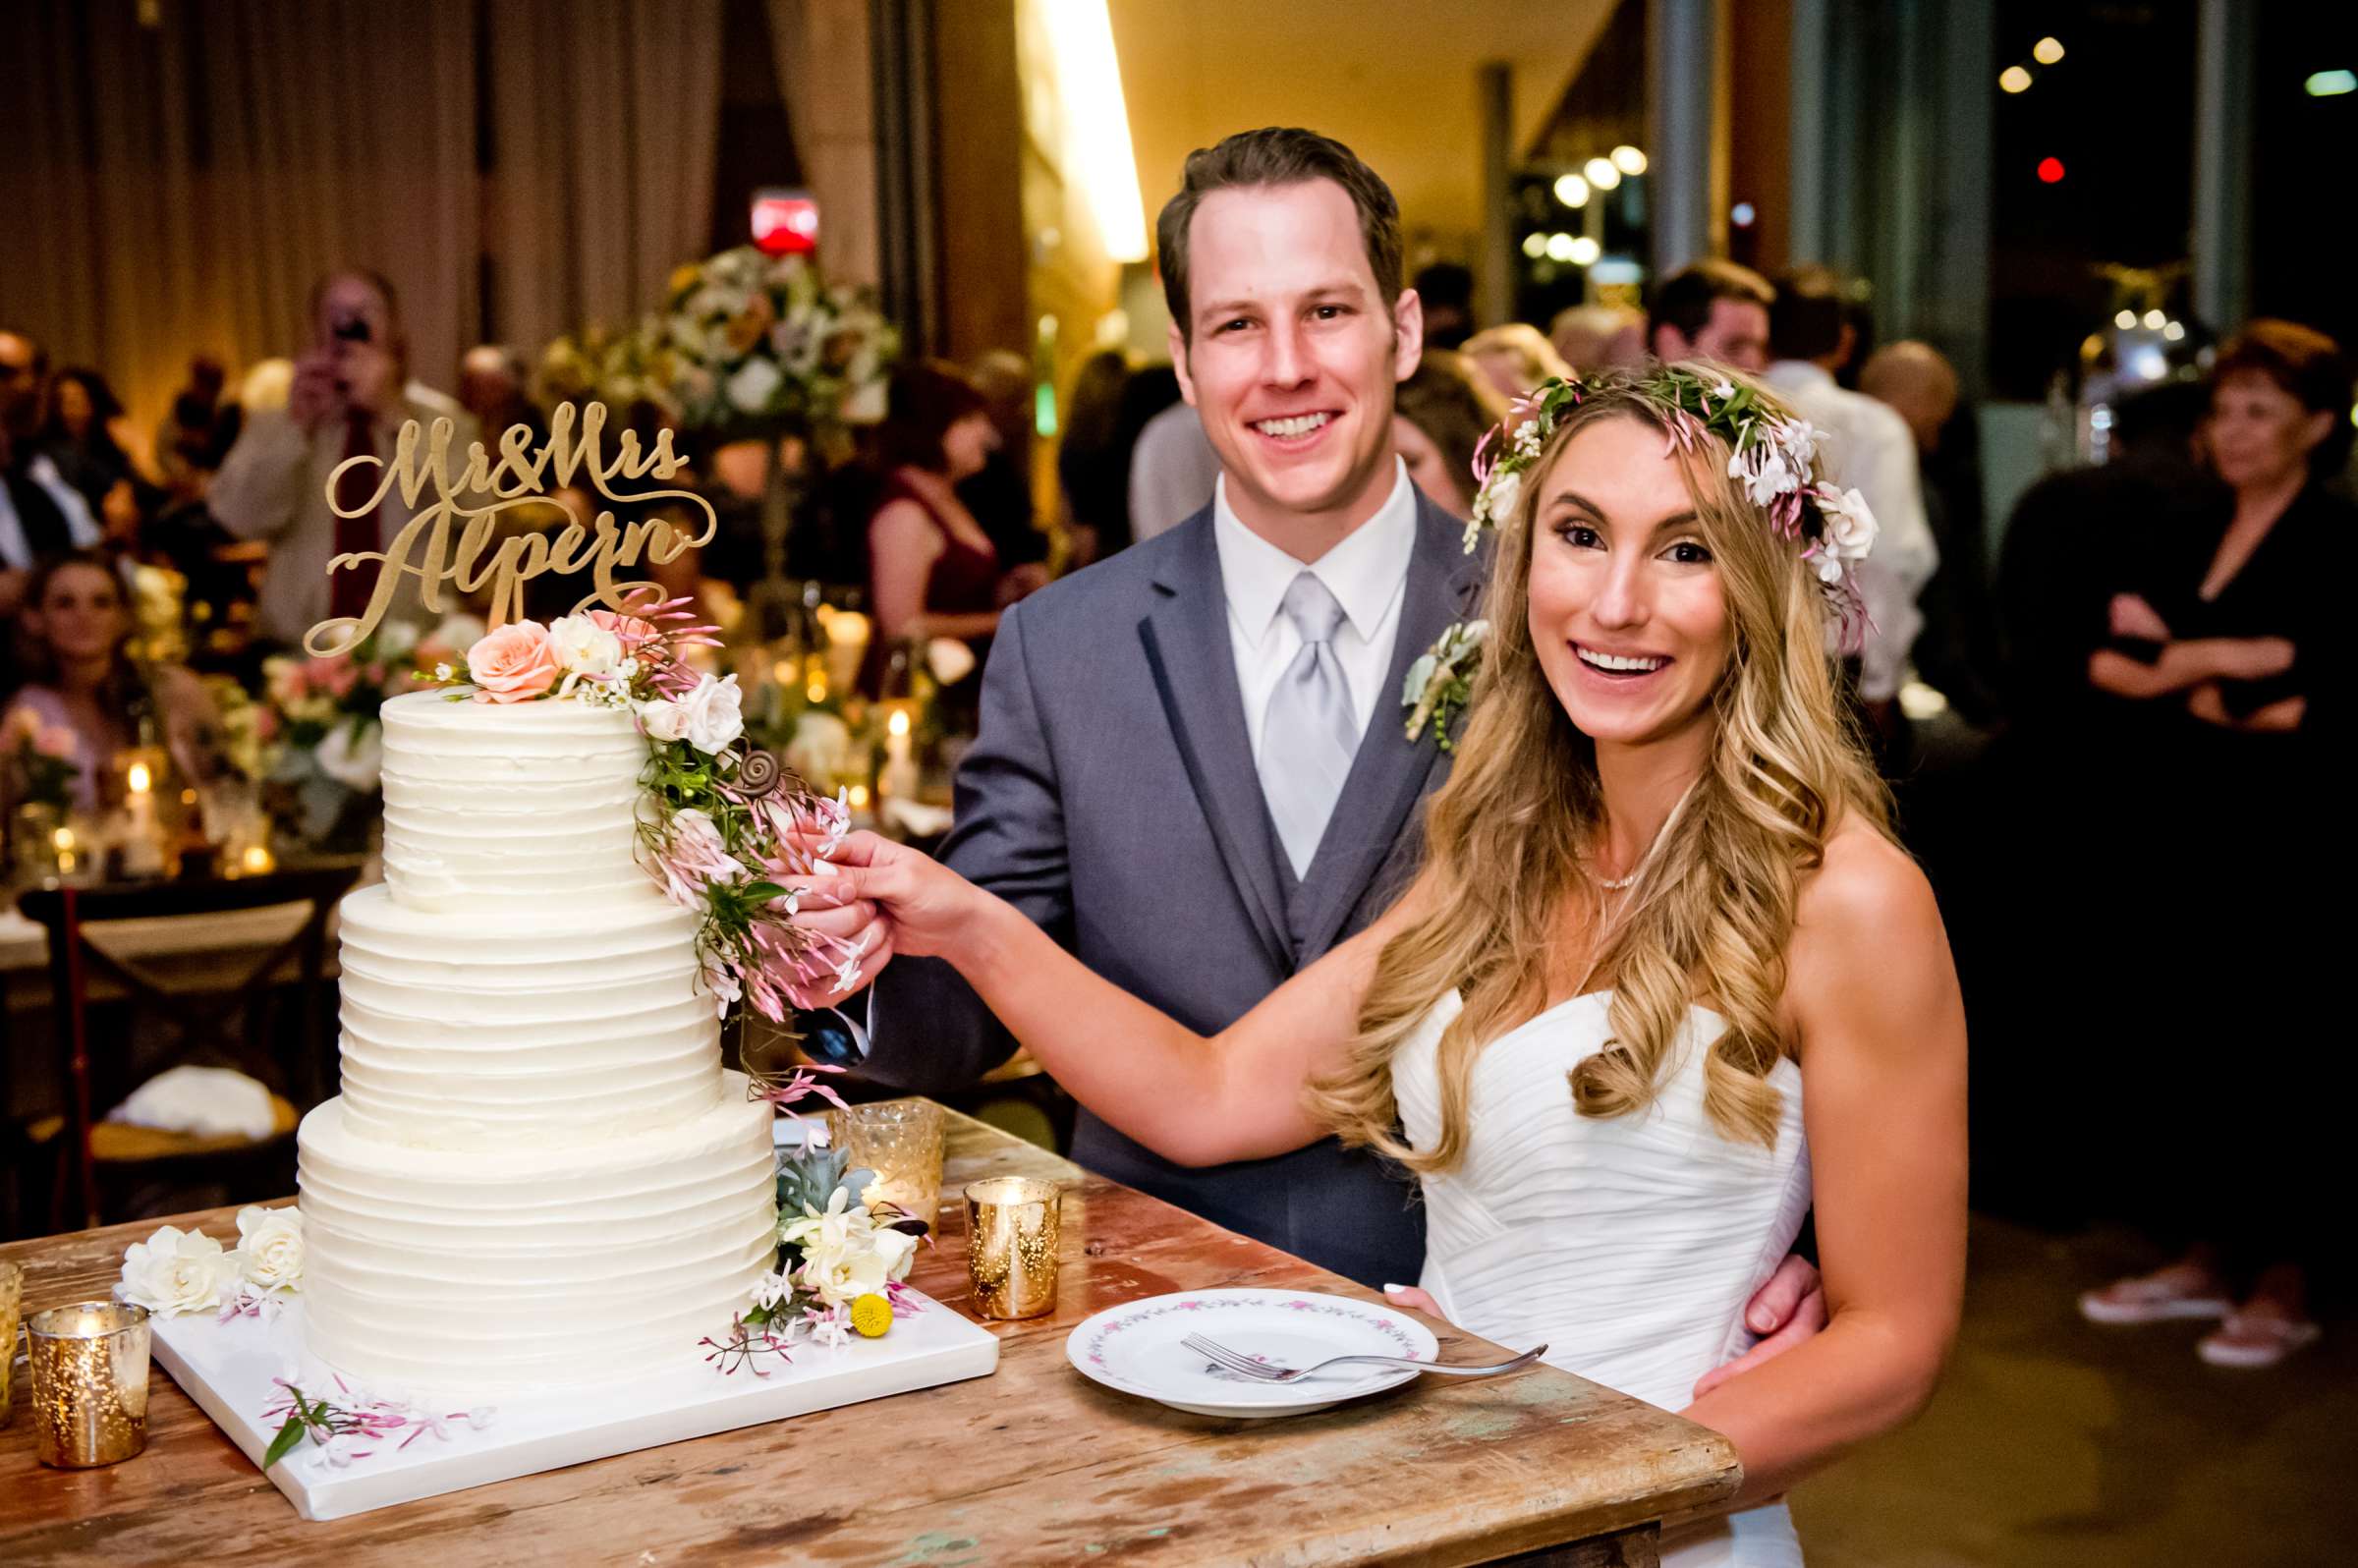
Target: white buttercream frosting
{"points": [[489, 803], [491, 1270], [534, 1026], [537, 1173]]}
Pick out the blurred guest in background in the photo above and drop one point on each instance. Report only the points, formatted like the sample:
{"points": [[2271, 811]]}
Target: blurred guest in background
{"points": [[1173, 465], [2232, 635], [1598, 337], [1000, 495], [195, 433], [1093, 466], [85, 436], [1446, 289], [1440, 415], [1869, 450], [40, 514], [492, 388], [1514, 359], [1957, 650], [931, 570], [349, 398], [83, 682], [1712, 311]]}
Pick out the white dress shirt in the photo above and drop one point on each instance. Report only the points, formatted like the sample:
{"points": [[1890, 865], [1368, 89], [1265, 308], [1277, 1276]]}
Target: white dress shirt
{"points": [[1869, 448], [1366, 573], [82, 529]]}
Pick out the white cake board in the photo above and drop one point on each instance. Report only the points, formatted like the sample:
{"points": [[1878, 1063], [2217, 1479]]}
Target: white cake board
{"points": [[228, 1368]]}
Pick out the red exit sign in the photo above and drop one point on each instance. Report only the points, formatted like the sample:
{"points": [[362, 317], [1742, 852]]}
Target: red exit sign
{"points": [[785, 222]]}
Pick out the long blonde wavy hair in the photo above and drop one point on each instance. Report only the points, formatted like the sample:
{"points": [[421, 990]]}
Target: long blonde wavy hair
{"points": [[1507, 841]]}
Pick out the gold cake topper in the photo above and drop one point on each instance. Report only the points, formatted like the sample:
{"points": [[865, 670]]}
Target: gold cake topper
{"points": [[523, 474]]}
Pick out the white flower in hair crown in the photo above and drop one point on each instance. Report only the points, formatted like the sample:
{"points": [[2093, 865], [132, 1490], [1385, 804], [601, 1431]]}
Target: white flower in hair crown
{"points": [[1772, 450]]}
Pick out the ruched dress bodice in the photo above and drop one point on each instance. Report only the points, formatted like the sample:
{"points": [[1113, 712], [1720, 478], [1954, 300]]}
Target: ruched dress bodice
{"points": [[1627, 1245]]}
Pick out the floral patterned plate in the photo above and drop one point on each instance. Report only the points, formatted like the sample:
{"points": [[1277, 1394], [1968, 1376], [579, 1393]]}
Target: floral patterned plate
{"points": [[1135, 1348]]}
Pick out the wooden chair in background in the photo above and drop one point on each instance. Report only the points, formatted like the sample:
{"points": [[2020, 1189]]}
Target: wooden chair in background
{"points": [[223, 1016]]}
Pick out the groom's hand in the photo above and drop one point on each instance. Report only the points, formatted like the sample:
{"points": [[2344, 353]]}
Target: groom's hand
{"points": [[1787, 1312]]}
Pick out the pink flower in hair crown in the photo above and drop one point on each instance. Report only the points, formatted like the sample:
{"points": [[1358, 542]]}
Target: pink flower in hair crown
{"points": [[513, 663]]}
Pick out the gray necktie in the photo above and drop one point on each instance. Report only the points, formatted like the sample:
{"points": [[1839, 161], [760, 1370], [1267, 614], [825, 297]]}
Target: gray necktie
{"points": [[1308, 737]]}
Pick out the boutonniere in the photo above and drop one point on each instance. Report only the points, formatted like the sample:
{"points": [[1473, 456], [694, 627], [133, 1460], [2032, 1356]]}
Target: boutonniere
{"points": [[1439, 681]]}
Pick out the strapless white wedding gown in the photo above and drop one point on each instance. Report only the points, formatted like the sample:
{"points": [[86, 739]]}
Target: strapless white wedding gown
{"points": [[1629, 1246]]}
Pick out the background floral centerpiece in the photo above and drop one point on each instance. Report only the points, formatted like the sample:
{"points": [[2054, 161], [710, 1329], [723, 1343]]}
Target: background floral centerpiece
{"points": [[331, 741], [750, 342]]}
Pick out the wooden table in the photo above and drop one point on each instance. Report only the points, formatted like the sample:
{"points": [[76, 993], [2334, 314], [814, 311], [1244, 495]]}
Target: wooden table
{"points": [[1033, 1465]]}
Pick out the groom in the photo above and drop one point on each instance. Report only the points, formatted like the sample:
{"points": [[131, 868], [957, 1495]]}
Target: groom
{"points": [[1192, 766]]}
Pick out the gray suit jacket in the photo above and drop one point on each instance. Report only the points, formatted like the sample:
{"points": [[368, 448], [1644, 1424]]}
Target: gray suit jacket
{"points": [[1111, 795]]}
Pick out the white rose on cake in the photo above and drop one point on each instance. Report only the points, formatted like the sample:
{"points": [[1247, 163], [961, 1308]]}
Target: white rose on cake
{"points": [[174, 1271], [269, 1250], [713, 715], [710, 717], [586, 648]]}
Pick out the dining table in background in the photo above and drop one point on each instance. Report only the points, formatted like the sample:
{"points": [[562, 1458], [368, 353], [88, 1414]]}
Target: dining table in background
{"points": [[1032, 1465]]}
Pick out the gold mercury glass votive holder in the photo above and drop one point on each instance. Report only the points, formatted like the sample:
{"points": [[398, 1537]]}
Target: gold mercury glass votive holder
{"points": [[1011, 1230], [900, 1140], [12, 1299], [89, 1382]]}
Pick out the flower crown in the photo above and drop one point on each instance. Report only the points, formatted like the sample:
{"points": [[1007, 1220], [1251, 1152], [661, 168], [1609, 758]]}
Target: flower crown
{"points": [[1774, 454]]}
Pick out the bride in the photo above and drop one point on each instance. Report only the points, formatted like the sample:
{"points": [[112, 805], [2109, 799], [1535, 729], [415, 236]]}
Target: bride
{"points": [[1662, 983]]}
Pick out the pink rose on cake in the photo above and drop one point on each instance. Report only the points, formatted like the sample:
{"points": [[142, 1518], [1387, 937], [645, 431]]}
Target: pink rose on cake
{"points": [[513, 663]]}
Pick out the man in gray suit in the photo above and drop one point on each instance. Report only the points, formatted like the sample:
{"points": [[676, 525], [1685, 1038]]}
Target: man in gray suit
{"points": [[1192, 767], [1191, 770]]}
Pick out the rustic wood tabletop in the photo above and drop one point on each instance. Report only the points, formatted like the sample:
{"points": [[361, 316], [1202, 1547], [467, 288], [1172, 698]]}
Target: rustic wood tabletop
{"points": [[1033, 1465]]}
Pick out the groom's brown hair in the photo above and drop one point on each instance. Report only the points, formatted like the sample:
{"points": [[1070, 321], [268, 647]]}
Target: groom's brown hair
{"points": [[1277, 155]]}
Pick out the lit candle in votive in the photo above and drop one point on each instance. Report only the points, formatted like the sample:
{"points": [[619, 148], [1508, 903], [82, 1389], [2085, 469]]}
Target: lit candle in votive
{"points": [[64, 839], [143, 854], [859, 797], [258, 860], [899, 774]]}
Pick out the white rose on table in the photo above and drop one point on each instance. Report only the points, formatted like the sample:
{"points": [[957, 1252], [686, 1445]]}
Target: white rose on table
{"points": [[174, 1271], [270, 1248], [586, 648], [713, 715], [846, 1254]]}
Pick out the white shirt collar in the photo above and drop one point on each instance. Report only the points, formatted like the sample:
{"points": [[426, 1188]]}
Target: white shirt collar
{"points": [[1364, 572]]}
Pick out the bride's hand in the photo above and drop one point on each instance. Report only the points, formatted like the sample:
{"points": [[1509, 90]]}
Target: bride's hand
{"points": [[923, 906]]}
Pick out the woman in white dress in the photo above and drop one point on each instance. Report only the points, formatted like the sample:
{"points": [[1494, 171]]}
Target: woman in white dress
{"points": [[1664, 980]]}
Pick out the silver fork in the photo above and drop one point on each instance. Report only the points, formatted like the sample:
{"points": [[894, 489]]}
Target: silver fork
{"points": [[1220, 1355]]}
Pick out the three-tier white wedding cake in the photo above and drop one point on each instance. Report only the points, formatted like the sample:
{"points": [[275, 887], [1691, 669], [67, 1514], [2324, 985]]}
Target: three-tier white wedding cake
{"points": [[537, 1173]]}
